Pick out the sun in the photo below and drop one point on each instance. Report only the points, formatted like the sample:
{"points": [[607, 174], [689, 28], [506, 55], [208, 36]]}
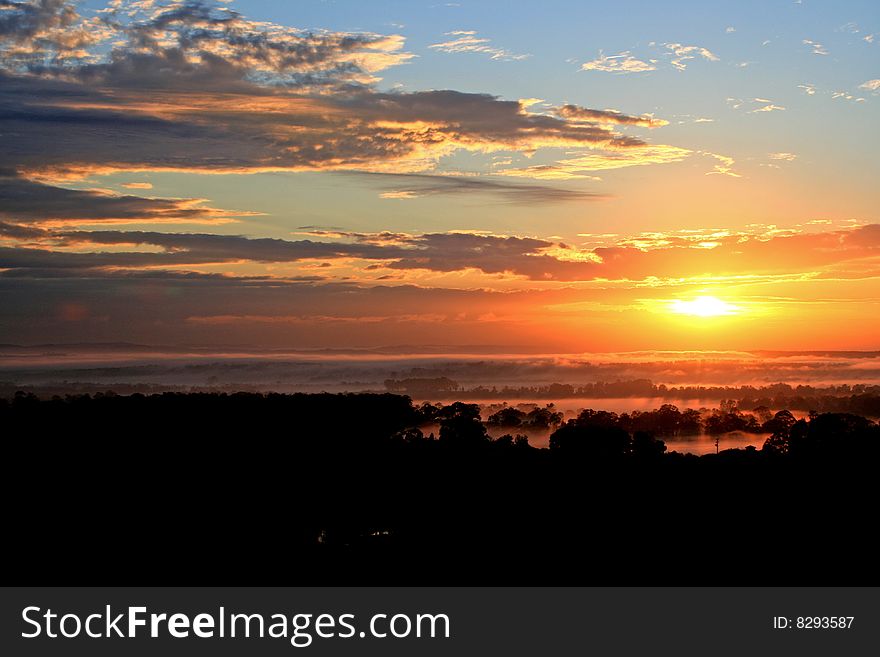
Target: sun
{"points": [[704, 307]]}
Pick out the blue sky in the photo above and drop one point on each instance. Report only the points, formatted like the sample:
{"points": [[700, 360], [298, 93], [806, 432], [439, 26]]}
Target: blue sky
{"points": [[764, 57]]}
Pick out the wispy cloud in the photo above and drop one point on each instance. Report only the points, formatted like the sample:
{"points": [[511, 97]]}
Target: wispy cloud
{"points": [[582, 165], [623, 62], [723, 165], [467, 41], [608, 116], [871, 85], [816, 48], [845, 95], [681, 54], [757, 105], [768, 107], [410, 186]]}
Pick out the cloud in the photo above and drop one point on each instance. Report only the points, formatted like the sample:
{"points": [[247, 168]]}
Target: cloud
{"points": [[608, 116], [846, 96], [320, 319], [816, 48], [871, 85], [30, 202], [146, 286], [177, 250], [409, 186], [34, 31], [200, 88], [651, 256], [467, 41], [62, 129], [623, 62], [122, 308], [398, 196], [20, 232], [189, 40], [723, 166], [579, 166], [808, 89], [769, 107], [138, 185], [681, 53], [757, 105], [788, 157]]}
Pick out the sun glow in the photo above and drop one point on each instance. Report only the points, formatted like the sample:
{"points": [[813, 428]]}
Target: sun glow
{"points": [[704, 307]]}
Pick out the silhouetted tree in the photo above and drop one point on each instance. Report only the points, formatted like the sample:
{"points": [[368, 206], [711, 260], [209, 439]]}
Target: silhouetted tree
{"points": [[599, 441], [460, 425], [762, 413], [780, 423], [691, 422], [507, 417], [721, 422], [512, 442], [543, 418], [646, 447], [834, 435]]}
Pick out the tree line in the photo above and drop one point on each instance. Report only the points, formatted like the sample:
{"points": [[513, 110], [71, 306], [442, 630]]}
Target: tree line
{"points": [[348, 488]]}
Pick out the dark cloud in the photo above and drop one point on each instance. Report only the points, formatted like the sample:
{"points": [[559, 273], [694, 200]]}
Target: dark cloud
{"points": [[19, 232], [190, 38], [219, 248], [180, 250], [532, 258], [27, 201], [195, 86], [23, 21], [418, 185], [608, 116], [435, 251], [200, 309], [62, 128], [482, 117]]}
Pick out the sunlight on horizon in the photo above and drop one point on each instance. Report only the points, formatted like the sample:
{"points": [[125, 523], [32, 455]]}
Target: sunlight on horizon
{"points": [[704, 306]]}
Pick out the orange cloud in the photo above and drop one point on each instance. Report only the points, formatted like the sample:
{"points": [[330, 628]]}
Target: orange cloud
{"points": [[653, 259]]}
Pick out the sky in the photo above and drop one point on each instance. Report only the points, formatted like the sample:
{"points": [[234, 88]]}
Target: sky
{"points": [[545, 177]]}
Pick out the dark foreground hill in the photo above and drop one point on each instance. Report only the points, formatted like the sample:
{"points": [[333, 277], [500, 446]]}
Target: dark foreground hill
{"points": [[324, 489]]}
